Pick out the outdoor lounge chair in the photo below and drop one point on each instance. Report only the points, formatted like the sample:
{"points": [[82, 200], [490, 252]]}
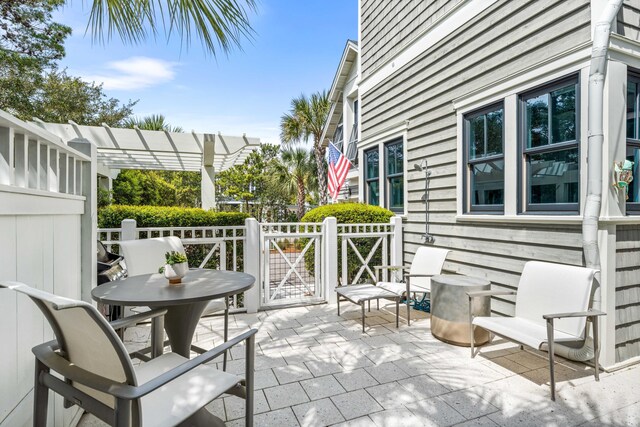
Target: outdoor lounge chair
{"points": [[146, 256], [427, 262], [552, 306], [98, 375]]}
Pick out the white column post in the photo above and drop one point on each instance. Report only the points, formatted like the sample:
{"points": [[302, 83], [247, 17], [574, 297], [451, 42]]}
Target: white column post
{"points": [[607, 243], [89, 219], [330, 259], [207, 187], [128, 227], [397, 253], [252, 255]]}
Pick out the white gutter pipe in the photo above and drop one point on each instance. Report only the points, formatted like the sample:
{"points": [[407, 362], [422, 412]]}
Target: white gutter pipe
{"points": [[595, 142]]}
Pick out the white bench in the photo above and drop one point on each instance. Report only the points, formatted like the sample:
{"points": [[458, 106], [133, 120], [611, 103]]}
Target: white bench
{"points": [[552, 306]]}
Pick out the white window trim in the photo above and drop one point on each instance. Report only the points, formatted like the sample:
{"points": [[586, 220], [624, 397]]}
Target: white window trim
{"points": [[508, 92], [379, 139]]}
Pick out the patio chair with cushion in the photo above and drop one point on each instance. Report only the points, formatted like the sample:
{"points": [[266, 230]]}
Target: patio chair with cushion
{"points": [[88, 365], [146, 256], [426, 263], [552, 306]]}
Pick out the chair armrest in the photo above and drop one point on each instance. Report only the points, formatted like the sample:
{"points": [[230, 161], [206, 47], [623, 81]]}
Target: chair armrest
{"points": [[475, 294], [417, 275], [121, 323], [588, 313], [46, 353], [132, 392]]}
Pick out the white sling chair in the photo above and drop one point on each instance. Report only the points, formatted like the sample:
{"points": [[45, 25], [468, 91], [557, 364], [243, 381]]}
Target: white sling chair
{"points": [[94, 371], [146, 256], [427, 262], [552, 305]]}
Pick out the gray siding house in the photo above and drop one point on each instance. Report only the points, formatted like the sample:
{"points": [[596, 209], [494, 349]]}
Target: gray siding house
{"points": [[491, 97]]}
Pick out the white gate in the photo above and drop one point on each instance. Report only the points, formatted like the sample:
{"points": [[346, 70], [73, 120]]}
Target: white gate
{"points": [[292, 263]]}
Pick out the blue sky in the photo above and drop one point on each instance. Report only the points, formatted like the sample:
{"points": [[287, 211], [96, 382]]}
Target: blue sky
{"points": [[297, 48]]}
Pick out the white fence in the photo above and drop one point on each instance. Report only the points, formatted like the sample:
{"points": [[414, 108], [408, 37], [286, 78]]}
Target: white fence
{"points": [[294, 263], [47, 214]]}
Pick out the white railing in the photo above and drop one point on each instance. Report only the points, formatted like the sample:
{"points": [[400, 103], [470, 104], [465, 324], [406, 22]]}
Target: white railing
{"points": [[34, 159], [372, 244], [292, 262]]}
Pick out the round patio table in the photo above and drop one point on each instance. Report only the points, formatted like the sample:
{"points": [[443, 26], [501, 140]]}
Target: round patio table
{"points": [[184, 302]]}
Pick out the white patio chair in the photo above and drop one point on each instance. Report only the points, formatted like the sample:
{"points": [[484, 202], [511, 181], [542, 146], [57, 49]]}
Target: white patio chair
{"points": [[427, 262], [546, 292], [92, 370], [146, 256]]}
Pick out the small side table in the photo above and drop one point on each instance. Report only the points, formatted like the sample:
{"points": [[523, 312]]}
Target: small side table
{"points": [[450, 308]]}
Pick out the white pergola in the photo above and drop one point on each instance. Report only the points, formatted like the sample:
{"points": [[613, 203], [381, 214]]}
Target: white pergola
{"points": [[120, 148]]}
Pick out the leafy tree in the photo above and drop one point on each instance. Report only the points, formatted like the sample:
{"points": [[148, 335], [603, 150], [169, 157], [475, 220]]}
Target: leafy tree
{"points": [[298, 174], [306, 120], [252, 182], [28, 37], [152, 122], [219, 24], [58, 97]]}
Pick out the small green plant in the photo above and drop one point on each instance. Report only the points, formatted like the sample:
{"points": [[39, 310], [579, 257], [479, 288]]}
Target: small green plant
{"points": [[172, 258]]}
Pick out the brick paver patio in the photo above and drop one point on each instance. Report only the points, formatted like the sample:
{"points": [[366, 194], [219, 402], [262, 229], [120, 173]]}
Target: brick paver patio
{"points": [[314, 368]]}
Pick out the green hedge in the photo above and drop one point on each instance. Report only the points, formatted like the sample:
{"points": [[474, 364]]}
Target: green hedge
{"points": [[162, 216], [350, 213]]}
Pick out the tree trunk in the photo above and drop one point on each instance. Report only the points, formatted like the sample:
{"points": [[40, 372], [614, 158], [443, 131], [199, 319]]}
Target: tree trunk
{"points": [[301, 197], [319, 152]]}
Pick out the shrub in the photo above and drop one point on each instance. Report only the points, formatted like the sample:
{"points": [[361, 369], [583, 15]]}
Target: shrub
{"points": [[350, 213], [161, 216]]}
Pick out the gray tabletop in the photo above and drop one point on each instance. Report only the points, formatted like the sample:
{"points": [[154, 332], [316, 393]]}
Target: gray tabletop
{"points": [[153, 290]]}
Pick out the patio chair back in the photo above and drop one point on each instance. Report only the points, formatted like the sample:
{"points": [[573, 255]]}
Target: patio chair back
{"points": [[146, 256], [427, 261], [555, 288], [85, 338]]}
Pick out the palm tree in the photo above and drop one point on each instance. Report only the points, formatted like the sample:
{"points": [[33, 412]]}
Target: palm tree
{"points": [[297, 173], [152, 122], [219, 24], [305, 120]]}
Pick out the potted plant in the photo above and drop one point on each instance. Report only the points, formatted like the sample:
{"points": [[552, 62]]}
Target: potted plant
{"points": [[175, 268]]}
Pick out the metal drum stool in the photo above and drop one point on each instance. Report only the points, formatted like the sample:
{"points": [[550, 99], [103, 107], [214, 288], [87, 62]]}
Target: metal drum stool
{"points": [[450, 308]]}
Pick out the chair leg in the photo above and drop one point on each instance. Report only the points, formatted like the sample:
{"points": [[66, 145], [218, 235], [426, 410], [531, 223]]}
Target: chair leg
{"points": [[338, 299], [397, 312], [596, 347], [472, 341], [369, 306], [40, 397], [551, 358], [226, 333], [249, 402], [408, 311], [378, 303], [123, 413], [362, 305]]}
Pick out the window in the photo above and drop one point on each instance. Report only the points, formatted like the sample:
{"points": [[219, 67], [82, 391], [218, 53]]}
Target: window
{"points": [[484, 153], [394, 173], [549, 143], [633, 140], [371, 177]]}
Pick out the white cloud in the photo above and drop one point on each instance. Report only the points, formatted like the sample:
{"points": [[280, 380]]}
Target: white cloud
{"points": [[138, 72]]}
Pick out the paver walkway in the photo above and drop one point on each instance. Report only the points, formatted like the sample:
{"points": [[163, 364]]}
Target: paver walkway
{"points": [[314, 368]]}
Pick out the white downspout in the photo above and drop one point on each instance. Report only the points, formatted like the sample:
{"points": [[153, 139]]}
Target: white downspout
{"points": [[595, 142]]}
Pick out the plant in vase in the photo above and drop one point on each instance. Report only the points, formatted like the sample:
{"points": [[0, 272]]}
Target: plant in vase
{"points": [[175, 267]]}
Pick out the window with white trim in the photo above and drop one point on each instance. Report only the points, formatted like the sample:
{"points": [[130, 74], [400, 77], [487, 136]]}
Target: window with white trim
{"points": [[484, 157], [394, 175], [372, 177], [549, 136]]}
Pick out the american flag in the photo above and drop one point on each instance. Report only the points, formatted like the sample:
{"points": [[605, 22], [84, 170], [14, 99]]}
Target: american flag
{"points": [[338, 169]]}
